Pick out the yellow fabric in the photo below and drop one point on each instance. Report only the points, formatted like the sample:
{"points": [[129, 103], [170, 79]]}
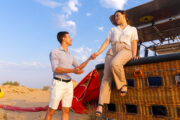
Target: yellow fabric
{"points": [[1, 93]]}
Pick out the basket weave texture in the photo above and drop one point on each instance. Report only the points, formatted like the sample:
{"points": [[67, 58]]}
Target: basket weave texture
{"points": [[144, 96]]}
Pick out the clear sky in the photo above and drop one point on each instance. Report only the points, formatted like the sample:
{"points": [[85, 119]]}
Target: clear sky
{"points": [[28, 30]]}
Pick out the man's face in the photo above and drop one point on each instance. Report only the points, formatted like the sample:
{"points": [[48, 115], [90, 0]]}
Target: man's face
{"points": [[68, 40]]}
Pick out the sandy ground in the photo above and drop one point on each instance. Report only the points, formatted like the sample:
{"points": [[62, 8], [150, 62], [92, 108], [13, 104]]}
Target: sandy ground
{"points": [[22, 96]]}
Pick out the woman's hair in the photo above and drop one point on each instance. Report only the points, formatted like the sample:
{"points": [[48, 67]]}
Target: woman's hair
{"points": [[112, 17]]}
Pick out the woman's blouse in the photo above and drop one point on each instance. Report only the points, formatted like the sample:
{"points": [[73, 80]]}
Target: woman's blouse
{"points": [[127, 35]]}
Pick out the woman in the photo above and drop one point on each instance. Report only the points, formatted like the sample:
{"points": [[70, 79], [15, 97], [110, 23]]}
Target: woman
{"points": [[123, 39]]}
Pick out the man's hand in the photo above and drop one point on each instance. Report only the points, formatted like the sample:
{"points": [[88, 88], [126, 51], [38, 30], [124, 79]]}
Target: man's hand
{"points": [[76, 70], [94, 55]]}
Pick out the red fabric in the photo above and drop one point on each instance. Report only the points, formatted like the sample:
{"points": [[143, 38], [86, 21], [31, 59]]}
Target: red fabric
{"points": [[92, 92], [32, 109], [87, 90]]}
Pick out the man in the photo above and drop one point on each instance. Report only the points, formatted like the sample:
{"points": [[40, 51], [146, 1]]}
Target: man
{"points": [[62, 86]]}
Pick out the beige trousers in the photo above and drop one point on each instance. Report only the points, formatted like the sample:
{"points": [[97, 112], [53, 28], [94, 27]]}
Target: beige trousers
{"points": [[116, 58]]}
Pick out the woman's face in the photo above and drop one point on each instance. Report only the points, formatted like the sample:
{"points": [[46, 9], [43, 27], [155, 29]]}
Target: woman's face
{"points": [[119, 18]]}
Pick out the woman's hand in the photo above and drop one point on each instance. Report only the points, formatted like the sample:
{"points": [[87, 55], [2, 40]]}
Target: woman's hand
{"points": [[134, 57], [94, 55]]}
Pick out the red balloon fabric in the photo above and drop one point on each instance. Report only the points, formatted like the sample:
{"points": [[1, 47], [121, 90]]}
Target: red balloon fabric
{"points": [[86, 91], [32, 109]]}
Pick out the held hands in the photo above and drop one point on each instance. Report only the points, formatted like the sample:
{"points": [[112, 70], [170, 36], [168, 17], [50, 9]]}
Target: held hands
{"points": [[76, 70], [94, 55]]}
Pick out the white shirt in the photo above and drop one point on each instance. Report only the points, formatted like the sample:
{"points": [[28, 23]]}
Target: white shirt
{"points": [[127, 35], [60, 58]]}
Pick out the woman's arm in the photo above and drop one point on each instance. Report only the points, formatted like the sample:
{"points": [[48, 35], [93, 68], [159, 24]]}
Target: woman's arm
{"points": [[134, 49], [102, 48]]}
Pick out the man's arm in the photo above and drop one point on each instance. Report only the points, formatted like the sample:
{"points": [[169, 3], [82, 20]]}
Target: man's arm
{"points": [[66, 70], [57, 69], [84, 63]]}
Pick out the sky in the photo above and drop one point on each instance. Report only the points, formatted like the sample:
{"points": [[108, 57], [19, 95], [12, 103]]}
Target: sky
{"points": [[28, 30]]}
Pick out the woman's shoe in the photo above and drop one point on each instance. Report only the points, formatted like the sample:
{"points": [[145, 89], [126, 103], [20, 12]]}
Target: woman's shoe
{"points": [[98, 112], [123, 92]]}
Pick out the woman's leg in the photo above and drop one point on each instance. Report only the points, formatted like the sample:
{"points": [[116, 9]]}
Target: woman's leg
{"points": [[105, 88], [117, 67]]}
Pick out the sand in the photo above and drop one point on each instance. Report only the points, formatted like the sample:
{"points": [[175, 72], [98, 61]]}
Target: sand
{"points": [[22, 96]]}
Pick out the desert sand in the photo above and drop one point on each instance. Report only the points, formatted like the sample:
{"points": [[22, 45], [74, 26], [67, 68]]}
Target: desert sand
{"points": [[21, 96]]}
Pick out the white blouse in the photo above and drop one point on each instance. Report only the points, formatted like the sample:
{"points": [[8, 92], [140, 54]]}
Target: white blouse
{"points": [[127, 35]]}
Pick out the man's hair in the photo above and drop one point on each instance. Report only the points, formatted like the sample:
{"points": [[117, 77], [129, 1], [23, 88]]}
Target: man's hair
{"points": [[60, 36]]}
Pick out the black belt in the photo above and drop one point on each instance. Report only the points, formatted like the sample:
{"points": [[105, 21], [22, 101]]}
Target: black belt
{"points": [[63, 80]]}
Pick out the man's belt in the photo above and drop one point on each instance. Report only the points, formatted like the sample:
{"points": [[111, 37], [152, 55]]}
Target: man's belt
{"points": [[63, 80]]}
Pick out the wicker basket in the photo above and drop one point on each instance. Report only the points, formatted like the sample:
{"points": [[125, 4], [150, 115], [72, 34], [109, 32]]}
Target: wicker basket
{"points": [[146, 93]]}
